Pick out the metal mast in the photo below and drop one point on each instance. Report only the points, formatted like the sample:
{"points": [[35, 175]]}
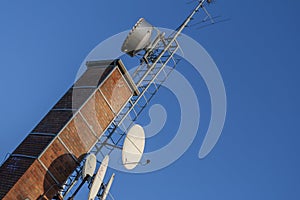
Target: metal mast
{"points": [[148, 77]]}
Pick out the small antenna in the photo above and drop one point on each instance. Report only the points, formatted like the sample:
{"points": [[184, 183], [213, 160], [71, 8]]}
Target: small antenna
{"points": [[98, 180], [107, 187], [89, 166]]}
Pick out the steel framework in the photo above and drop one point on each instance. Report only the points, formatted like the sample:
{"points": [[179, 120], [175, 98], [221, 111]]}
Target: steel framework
{"points": [[156, 65]]}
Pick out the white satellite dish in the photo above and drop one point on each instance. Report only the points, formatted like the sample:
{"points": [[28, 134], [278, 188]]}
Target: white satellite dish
{"points": [[138, 38], [98, 178], [133, 147], [108, 186], [89, 166]]}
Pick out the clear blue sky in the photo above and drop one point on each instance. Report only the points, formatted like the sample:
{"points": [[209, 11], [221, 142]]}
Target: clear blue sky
{"points": [[42, 45]]}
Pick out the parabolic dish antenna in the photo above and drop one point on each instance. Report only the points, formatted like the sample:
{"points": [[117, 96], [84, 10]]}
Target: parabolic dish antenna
{"points": [[108, 186], [138, 38], [98, 178], [89, 166], [133, 147]]}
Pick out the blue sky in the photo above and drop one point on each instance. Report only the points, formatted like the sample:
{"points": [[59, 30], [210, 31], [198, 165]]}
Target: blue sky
{"points": [[257, 51]]}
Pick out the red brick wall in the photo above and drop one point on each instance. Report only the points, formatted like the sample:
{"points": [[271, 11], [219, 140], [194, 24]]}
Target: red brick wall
{"points": [[76, 133]]}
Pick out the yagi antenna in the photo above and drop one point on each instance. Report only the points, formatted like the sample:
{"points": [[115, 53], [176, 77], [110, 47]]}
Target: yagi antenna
{"points": [[208, 16]]}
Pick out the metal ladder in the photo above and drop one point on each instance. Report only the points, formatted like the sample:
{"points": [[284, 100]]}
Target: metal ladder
{"points": [[148, 78]]}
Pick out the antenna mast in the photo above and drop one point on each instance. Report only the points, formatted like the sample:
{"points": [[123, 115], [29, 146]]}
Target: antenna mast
{"points": [[148, 78], [77, 128]]}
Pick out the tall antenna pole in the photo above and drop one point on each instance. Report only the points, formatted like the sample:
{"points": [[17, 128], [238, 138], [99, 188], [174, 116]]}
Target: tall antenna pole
{"points": [[148, 77], [145, 77]]}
